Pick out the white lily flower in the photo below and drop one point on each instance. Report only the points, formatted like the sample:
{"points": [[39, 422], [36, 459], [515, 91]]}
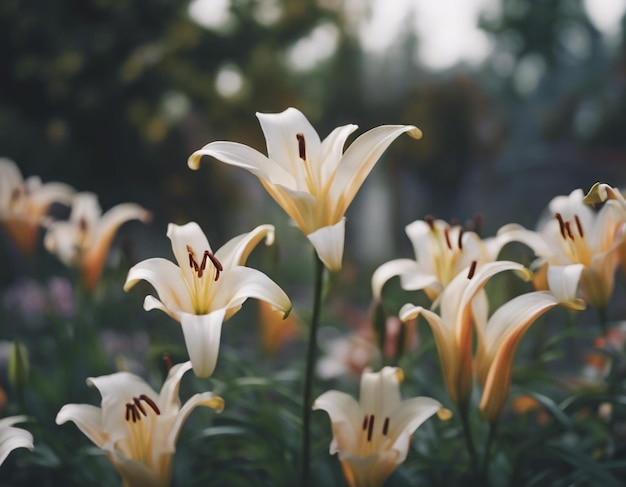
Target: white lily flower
{"points": [[84, 240], [24, 204], [12, 437], [499, 337], [206, 289], [441, 252], [136, 427], [575, 234], [372, 436], [314, 181], [461, 303]]}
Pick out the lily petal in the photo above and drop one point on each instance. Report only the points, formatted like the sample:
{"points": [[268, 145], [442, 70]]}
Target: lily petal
{"points": [[206, 399], [241, 155], [202, 338], [412, 275], [116, 390], [166, 278], [346, 416], [280, 131], [235, 252], [88, 419], [328, 243], [360, 158], [12, 438], [332, 149]]}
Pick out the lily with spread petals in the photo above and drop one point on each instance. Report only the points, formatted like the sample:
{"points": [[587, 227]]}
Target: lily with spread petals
{"points": [[441, 252], [461, 303], [576, 234], [135, 426], [12, 437], [84, 240], [314, 181], [24, 204], [206, 288], [372, 436], [499, 336]]}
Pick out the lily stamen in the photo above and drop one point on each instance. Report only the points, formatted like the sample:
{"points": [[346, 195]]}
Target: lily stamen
{"points": [[431, 221], [446, 233], [301, 146], [561, 224], [199, 268], [579, 226], [218, 265], [460, 242], [568, 229], [365, 422], [370, 428], [472, 269], [386, 426], [134, 408]]}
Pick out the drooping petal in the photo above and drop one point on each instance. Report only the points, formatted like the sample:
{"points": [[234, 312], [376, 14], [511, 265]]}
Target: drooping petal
{"points": [[600, 192], [207, 399], [346, 416], [328, 243], [60, 239], [360, 158], [516, 233], [413, 276], [240, 155], [116, 390], [280, 130], [166, 278], [12, 438], [505, 329], [235, 252], [88, 419], [52, 192], [202, 338], [407, 417], [169, 402], [299, 205]]}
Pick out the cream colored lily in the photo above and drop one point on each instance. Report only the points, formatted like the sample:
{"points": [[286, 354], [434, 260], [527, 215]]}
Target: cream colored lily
{"points": [[461, 303], [575, 234], [499, 337], [84, 240], [372, 436], [12, 437], [136, 427], [441, 252], [312, 180], [24, 204], [206, 289]]}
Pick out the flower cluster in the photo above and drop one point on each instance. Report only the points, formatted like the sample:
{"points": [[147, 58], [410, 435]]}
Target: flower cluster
{"points": [[576, 252]]}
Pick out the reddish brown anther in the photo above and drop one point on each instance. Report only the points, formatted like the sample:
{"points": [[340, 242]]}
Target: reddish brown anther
{"points": [[301, 146], [561, 224], [133, 409], [199, 268], [472, 269], [460, 242], [365, 422], [370, 428], [446, 233], [431, 221], [579, 226], [386, 426], [568, 229], [168, 361]]}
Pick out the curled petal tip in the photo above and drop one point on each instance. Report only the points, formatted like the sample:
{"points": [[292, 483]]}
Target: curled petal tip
{"points": [[193, 162], [597, 194], [415, 132], [444, 414]]}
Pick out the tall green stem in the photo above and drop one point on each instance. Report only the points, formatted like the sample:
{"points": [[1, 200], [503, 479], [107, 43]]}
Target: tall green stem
{"points": [[469, 439], [308, 377], [493, 426]]}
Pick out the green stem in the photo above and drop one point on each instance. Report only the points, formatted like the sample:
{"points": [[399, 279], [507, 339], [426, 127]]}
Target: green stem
{"points": [[308, 377], [469, 439], [493, 427], [603, 321]]}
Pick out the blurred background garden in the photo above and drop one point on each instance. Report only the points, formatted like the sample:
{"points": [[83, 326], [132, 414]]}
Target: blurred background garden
{"points": [[519, 101]]}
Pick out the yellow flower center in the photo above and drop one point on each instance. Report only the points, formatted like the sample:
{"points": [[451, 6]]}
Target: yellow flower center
{"points": [[140, 432], [446, 251], [373, 435], [573, 240], [200, 288]]}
